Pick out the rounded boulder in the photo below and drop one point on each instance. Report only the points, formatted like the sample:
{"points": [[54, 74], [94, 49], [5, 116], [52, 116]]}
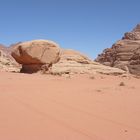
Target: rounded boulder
{"points": [[36, 52]]}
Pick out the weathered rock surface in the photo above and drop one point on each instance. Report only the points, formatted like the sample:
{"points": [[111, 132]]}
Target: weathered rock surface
{"points": [[72, 62], [34, 54], [6, 62], [134, 35], [125, 53], [47, 57]]}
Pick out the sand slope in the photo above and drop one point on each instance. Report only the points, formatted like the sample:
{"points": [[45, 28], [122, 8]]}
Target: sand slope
{"points": [[40, 107]]}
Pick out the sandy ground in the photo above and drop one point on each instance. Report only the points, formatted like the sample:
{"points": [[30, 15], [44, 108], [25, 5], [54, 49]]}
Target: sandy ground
{"points": [[41, 107]]}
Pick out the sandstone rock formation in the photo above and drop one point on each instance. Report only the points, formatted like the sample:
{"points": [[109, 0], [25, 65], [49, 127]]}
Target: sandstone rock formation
{"points": [[35, 54], [134, 35], [125, 53], [72, 62], [47, 57], [6, 62]]}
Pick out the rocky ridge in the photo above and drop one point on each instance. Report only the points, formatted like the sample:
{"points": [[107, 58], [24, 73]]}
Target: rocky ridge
{"points": [[125, 53], [73, 62]]}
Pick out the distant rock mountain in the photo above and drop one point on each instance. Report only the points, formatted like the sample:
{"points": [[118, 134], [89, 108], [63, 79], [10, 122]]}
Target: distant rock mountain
{"points": [[125, 53]]}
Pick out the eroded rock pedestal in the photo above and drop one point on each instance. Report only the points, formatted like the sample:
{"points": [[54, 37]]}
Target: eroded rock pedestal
{"points": [[125, 53], [33, 55]]}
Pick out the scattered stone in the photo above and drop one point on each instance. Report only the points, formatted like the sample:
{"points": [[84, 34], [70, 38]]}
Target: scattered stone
{"points": [[125, 131], [98, 90], [136, 76], [122, 84], [92, 77]]}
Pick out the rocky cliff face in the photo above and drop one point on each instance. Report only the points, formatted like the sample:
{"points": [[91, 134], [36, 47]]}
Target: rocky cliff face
{"points": [[125, 53]]}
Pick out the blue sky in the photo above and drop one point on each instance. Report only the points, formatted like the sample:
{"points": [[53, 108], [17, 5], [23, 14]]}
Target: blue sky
{"points": [[85, 25]]}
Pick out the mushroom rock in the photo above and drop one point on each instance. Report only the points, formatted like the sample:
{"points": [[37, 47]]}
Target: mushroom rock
{"points": [[35, 54]]}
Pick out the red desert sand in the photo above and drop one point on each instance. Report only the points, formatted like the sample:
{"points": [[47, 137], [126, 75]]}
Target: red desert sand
{"points": [[42, 107]]}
